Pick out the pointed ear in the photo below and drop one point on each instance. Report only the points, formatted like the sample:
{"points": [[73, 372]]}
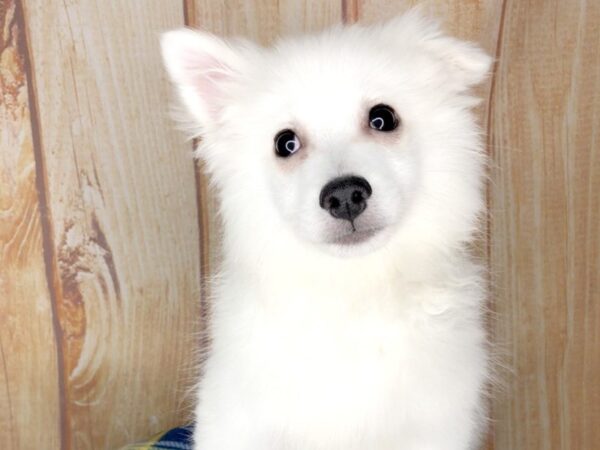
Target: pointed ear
{"points": [[465, 64], [204, 68], [461, 63]]}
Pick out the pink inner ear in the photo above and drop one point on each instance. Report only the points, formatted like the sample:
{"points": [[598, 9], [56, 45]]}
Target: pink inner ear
{"points": [[207, 75]]}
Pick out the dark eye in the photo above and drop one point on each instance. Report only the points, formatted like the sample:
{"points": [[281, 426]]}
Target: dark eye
{"points": [[286, 143], [383, 118]]}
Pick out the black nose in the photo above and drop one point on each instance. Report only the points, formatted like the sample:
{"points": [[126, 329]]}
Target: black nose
{"points": [[345, 197]]}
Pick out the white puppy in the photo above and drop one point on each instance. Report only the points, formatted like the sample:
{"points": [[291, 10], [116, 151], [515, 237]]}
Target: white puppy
{"points": [[347, 313]]}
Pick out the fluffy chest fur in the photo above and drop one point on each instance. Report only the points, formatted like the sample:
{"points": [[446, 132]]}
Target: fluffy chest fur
{"points": [[314, 369]]}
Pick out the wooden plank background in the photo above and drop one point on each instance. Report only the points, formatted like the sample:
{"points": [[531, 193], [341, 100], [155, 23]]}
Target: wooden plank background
{"points": [[29, 377], [106, 226], [545, 229]]}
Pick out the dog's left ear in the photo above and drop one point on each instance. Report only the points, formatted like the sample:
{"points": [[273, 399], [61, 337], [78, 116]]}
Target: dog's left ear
{"points": [[462, 64], [465, 64]]}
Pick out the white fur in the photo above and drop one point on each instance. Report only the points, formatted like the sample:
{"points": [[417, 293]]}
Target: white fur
{"points": [[316, 345]]}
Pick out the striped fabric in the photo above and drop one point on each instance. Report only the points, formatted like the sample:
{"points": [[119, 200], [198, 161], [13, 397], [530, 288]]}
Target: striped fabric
{"points": [[175, 439]]}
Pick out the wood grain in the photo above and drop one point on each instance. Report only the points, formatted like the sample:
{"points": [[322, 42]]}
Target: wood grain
{"points": [[478, 21], [472, 20], [545, 200], [29, 375], [262, 21], [120, 189]]}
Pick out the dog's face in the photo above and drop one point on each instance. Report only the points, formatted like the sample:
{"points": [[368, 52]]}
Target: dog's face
{"points": [[346, 138], [339, 163]]}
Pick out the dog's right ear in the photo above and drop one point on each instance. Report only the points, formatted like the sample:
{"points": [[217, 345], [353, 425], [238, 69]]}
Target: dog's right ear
{"points": [[204, 68]]}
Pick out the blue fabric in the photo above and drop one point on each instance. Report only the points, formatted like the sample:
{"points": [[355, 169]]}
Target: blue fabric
{"points": [[175, 439]]}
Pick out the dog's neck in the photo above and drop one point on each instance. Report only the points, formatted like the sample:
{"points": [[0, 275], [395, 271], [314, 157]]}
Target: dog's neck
{"points": [[295, 264]]}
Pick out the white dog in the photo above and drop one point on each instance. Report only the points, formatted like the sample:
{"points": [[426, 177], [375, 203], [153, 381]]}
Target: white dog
{"points": [[348, 312]]}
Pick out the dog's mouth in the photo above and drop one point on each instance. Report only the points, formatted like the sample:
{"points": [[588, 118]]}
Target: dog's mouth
{"points": [[355, 237]]}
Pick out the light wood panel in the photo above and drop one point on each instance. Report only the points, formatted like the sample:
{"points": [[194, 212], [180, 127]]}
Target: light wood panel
{"points": [[262, 21], [546, 224], [29, 375], [479, 22], [121, 197], [473, 20]]}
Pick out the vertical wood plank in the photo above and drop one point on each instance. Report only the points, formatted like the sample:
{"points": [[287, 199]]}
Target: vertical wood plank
{"points": [[478, 21], [29, 376], [120, 189], [546, 224], [262, 21]]}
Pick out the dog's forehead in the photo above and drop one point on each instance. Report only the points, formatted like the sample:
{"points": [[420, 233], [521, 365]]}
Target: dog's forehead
{"points": [[325, 96], [324, 88]]}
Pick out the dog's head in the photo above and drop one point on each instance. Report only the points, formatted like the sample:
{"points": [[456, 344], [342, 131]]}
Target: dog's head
{"points": [[352, 138]]}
